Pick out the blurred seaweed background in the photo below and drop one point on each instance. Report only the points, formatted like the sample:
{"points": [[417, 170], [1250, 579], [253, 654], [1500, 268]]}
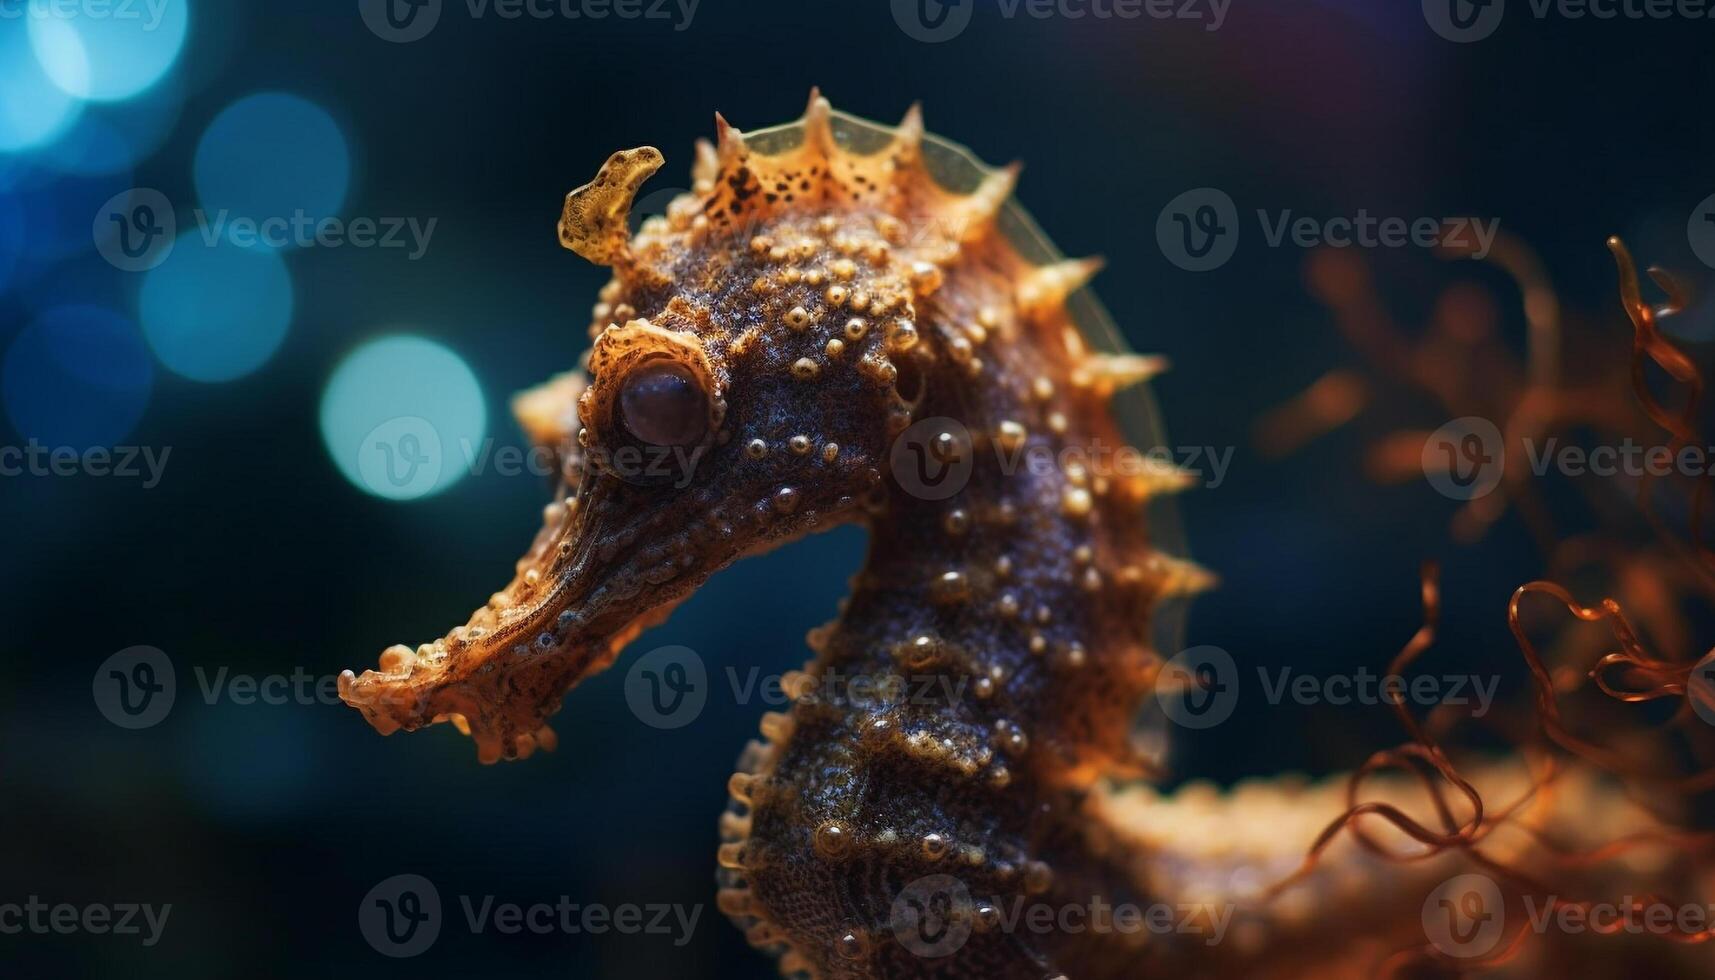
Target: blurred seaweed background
{"points": [[257, 546]]}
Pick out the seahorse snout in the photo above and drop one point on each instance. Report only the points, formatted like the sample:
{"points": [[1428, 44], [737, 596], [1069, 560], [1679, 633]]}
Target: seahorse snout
{"points": [[498, 677], [500, 698]]}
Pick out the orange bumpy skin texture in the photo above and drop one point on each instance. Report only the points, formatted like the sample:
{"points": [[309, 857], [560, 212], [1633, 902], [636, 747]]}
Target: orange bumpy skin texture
{"points": [[794, 314], [823, 301]]}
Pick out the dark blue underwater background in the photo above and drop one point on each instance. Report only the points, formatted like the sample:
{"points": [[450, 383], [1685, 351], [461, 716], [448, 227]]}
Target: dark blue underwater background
{"points": [[266, 826]]}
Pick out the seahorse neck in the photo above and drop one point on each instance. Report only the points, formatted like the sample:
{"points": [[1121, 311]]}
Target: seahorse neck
{"points": [[1002, 581]]}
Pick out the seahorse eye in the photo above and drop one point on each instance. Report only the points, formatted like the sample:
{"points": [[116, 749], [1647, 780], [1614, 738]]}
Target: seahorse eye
{"points": [[663, 405]]}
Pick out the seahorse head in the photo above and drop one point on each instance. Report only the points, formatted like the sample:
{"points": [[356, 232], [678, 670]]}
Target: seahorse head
{"points": [[753, 357]]}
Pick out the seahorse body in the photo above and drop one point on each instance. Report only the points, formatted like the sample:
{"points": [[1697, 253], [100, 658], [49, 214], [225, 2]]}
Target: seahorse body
{"points": [[951, 754]]}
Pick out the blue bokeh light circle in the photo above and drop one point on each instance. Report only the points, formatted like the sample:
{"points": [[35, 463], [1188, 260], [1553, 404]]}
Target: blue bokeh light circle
{"points": [[76, 377], [400, 416], [107, 51], [215, 312], [272, 156], [34, 110]]}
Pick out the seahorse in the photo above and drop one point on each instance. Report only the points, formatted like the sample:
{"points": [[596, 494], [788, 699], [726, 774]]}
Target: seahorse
{"points": [[835, 325]]}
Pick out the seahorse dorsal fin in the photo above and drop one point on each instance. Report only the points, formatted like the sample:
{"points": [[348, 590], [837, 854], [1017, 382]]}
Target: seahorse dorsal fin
{"points": [[593, 223], [1170, 577], [908, 138], [1047, 287], [706, 169], [1156, 480], [1108, 373], [819, 125], [971, 217], [729, 146]]}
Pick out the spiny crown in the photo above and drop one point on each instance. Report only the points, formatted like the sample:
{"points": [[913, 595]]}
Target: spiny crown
{"points": [[811, 259]]}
